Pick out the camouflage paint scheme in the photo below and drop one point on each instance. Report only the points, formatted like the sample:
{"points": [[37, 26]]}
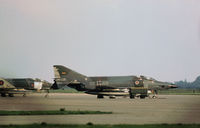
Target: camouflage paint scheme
{"points": [[104, 86], [20, 86], [28, 83], [8, 88]]}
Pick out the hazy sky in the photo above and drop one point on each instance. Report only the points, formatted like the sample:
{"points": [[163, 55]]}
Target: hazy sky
{"points": [[155, 38]]}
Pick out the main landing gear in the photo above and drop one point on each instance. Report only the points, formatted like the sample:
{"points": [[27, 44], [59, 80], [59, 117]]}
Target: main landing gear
{"points": [[9, 94], [3, 94], [100, 97]]}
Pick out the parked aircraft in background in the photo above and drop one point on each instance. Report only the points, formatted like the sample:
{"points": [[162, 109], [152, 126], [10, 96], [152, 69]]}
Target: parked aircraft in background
{"points": [[29, 83], [21, 86], [106, 86], [8, 88]]}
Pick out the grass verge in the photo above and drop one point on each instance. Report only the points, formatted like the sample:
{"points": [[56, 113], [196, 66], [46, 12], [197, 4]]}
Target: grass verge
{"points": [[50, 112], [180, 92], [44, 125]]}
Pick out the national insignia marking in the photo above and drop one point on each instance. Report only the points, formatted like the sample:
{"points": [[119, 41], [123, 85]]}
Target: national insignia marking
{"points": [[137, 82], [1, 82], [64, 73]]}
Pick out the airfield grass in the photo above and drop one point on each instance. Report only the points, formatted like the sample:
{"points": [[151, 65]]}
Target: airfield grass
{"points": [[180, 92], [90, 125], [50, 112]]}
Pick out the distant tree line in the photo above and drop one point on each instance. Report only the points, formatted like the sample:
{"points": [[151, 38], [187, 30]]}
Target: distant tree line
{"points": [[192, 85]]}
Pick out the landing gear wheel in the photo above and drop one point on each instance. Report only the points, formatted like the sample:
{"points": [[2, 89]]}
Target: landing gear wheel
{"points": [[142, 97], [100, 97], [24, 95], [11, 95], [112, 97], [132, 96], [154, 97], [3, 94]]}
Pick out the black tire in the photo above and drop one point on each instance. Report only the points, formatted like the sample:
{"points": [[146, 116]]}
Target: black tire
{"points": [[3, 94], [132, 96], [100, 97], [142, 96], [112, 97], [11, 95]]}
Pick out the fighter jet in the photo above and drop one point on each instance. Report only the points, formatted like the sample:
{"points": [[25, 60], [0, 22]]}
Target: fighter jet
{"points": [[7, 88], [29, 83], [106, 86], [13, 86]]}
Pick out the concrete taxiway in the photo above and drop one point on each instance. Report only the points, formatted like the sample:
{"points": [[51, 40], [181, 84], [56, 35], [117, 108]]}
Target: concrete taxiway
{"points": [[165, 109]]}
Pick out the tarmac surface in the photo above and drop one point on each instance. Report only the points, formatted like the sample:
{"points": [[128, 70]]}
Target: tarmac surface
{"points": [[166, 109]]}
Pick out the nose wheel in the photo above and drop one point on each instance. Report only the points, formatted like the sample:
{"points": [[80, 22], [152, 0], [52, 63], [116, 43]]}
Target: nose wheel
{"points": [[154, 92]]}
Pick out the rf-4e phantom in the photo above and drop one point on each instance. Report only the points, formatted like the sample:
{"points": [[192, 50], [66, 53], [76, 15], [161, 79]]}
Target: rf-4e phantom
{"points": [[108, 86]]}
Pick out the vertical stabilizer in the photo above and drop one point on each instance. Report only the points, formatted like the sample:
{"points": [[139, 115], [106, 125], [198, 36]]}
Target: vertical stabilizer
{"points": [[4, 84], [65, 74]]}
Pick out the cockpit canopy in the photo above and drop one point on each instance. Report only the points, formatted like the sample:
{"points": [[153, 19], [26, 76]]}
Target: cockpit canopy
{"points": [[146, 78]]}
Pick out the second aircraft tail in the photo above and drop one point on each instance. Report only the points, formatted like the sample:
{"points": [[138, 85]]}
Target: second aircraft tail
{"points": [[65, 74]]}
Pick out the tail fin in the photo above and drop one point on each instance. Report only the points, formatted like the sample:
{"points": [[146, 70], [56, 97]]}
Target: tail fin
{"points": [[68, 75], [4, 84]]}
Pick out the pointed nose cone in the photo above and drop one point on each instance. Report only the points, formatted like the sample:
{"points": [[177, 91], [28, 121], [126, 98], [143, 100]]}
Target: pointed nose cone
{"points": [[172, 86]]}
